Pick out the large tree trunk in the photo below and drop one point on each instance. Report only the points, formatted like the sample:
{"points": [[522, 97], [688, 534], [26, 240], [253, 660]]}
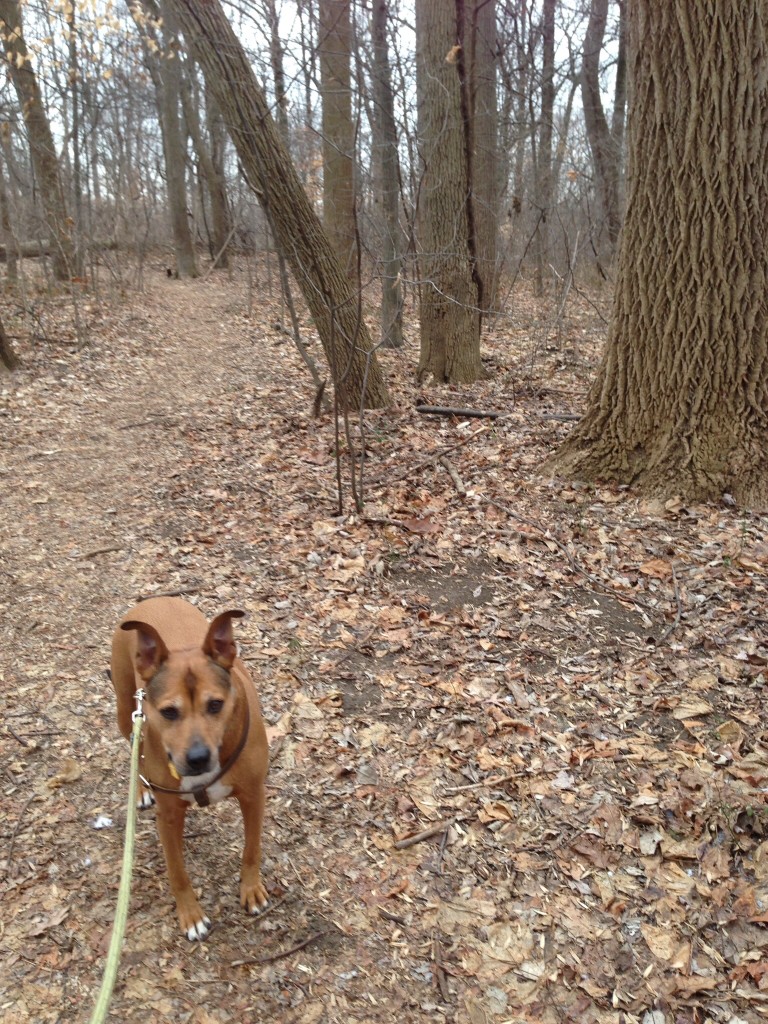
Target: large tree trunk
{"points": [[388, 167], [680, 404], [42, 149], [338, 131], [450, 285], [273, 178]]}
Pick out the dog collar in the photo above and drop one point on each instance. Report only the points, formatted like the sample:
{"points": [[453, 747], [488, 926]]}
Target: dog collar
{"points": [[200, 793]]}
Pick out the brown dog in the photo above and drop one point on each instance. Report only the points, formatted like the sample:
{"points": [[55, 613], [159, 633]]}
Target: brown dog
{"points": [[203, 738]]}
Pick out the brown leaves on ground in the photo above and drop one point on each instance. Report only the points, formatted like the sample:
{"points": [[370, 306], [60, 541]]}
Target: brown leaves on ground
{"points": [[518, 728]]}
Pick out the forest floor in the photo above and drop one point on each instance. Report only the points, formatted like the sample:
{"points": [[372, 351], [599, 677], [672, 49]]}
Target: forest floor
{"points": [[564, 686]]}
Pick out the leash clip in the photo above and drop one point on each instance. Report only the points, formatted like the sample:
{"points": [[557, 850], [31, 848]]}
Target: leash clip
{"points": [[139, 698]]}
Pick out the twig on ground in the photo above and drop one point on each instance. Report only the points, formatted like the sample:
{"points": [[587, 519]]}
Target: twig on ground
{"points": [[485, 784], [281, 955], [16, 736], [679, 614], [458, 483], [101, 551], [17, 827], [394, 918], [419, 837], [437, 959]]}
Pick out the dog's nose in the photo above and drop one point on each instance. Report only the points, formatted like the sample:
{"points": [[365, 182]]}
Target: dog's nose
{"points": [[198, 758]]}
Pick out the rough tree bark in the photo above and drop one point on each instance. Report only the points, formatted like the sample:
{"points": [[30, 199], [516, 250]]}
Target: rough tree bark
{"points": [[385, 145], [273, 177], [680, 404], [450, 287], [41, 145]]}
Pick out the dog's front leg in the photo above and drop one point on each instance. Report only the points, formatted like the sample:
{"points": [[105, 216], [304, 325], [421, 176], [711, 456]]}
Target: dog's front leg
{"points": [[253, 895], [171, 812]]}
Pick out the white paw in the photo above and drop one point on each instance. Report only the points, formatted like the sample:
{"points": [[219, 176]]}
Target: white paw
{"points": [[258, 908], [146, 800], [199, 931]]}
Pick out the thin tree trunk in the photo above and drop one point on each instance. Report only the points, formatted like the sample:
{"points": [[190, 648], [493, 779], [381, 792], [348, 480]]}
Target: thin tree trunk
{"points": [[221, 212], [338, 131], [544, 148], [604, 144], [485, 160], [273, 178], [449, 289], [385, 146]]}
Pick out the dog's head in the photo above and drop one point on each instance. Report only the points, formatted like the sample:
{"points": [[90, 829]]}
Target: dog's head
{"points": [[190, 698]]}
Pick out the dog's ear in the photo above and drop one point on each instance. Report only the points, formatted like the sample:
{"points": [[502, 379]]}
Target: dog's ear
{"points": [[220, 643], [151, 651]]}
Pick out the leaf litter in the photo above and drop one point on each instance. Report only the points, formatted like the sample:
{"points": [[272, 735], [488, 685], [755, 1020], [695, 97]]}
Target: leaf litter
{"points": [[517, 727]]}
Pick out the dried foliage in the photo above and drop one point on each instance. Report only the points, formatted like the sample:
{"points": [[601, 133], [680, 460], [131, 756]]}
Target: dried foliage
{"points": [[518, 728]]}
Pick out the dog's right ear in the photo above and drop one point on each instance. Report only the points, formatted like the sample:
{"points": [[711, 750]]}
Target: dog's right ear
{"points": [[151, 651]]}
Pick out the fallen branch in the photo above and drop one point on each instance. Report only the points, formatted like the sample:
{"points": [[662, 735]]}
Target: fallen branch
{"points": [[31, 249], [447, 410]]}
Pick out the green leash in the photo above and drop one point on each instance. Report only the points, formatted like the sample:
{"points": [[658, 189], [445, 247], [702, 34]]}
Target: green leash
{"points": [[124, 892]]}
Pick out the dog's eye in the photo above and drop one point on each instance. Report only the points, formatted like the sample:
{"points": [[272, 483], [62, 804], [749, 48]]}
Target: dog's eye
{"points": [[170, 714], [215, 706]]}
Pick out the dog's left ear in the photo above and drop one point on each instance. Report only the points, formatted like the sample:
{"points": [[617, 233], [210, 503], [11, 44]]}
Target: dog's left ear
{"points": [[220, 643]]}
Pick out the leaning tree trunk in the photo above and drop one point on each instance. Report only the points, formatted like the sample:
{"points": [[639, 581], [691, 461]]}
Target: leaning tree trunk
{"points": [[41, 145], [680, 405], [450, 286], [273, 178]]}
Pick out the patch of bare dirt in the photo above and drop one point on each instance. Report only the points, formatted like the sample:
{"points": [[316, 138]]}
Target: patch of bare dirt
{"points": [[519, 747]]}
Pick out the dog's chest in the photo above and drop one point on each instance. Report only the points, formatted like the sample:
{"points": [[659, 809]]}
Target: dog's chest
{"points": [[216, 791]]}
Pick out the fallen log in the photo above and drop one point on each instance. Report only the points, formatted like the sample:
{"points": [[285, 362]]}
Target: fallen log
{"points": [[28, 250]]}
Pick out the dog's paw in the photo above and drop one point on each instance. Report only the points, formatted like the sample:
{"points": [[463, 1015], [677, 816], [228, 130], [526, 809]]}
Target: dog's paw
{"points": [[253, 896], [146, 800], [199, 930]]}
